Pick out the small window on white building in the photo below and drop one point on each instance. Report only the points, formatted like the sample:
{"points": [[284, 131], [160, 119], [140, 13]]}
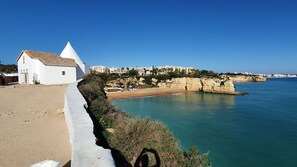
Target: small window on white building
{"points": [[23, 59], [63, 72]]}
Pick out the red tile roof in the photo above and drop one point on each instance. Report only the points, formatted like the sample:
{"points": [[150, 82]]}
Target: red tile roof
{"points": [[49, 59]]}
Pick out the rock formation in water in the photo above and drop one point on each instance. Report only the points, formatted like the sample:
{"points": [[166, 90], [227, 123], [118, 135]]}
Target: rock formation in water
{"points": [[211, 85], [245, 78]]}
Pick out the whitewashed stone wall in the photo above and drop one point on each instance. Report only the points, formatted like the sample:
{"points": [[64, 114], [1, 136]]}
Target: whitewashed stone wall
{"points": [[85, 153]]}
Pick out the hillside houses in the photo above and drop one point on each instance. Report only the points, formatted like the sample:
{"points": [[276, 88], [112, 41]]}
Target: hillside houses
{"points": [[143, 71]]}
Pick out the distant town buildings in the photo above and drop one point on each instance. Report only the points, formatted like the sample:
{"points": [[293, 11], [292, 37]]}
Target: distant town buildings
{"points": [[244, 73], [270, 75], [99, 69], [166, 69], [280, 75], [143, 71]]}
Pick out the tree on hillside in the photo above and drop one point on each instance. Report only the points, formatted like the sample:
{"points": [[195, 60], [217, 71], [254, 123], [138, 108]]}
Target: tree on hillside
{"points": [[133, 73], [208, 73], [183, 72], [8, 68], [154, 71], [176, 70]]}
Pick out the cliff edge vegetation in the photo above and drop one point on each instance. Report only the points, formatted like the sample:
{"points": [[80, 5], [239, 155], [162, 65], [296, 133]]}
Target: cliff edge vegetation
{"points": [[134, 141]]}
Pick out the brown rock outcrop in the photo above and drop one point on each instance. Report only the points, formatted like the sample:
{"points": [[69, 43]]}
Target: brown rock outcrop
{"points": [[246, 78], [211, 85]]}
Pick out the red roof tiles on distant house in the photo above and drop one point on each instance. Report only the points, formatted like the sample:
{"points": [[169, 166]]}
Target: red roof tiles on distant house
{"points": [[49, 59]]}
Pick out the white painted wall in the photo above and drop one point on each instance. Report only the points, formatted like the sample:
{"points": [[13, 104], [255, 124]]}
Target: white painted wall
{"points": [[46, 75], [81, 69], [28, 66], [53, 75], [85, 152], [79, 72]]}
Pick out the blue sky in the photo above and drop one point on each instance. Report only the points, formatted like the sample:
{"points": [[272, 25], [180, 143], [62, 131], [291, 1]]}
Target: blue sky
{"points": [[222, 35]]}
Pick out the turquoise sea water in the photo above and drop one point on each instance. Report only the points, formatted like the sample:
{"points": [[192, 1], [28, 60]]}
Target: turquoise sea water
{"points": [[257, 130]]}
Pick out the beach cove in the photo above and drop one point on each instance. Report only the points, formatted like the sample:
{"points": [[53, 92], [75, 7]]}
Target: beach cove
{"points": [[254, 130], [142, 93]]}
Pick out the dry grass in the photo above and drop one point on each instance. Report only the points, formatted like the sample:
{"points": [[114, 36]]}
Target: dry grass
{"points": [[133, 135]]}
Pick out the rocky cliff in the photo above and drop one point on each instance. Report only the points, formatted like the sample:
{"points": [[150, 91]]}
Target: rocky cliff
{"points": [[212, 85], [246, 78]]}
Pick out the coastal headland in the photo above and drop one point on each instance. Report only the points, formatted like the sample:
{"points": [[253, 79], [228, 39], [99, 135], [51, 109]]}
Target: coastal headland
{"points": [[246, 78], [181, 85]]}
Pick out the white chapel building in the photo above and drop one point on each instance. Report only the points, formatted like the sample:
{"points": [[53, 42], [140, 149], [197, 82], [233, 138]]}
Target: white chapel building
{"points": [[35, 67], [82, 68]]}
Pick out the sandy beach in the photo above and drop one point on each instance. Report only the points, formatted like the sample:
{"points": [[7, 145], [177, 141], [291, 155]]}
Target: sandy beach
{"points": [[33, 126], [143, 92]]}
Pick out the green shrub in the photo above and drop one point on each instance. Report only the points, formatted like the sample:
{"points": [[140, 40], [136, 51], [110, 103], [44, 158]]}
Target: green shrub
{"points": [[104, 77], [106, 122], [100, 107], [162, 77], [193, 158], [92, 87], [148, 80]]}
